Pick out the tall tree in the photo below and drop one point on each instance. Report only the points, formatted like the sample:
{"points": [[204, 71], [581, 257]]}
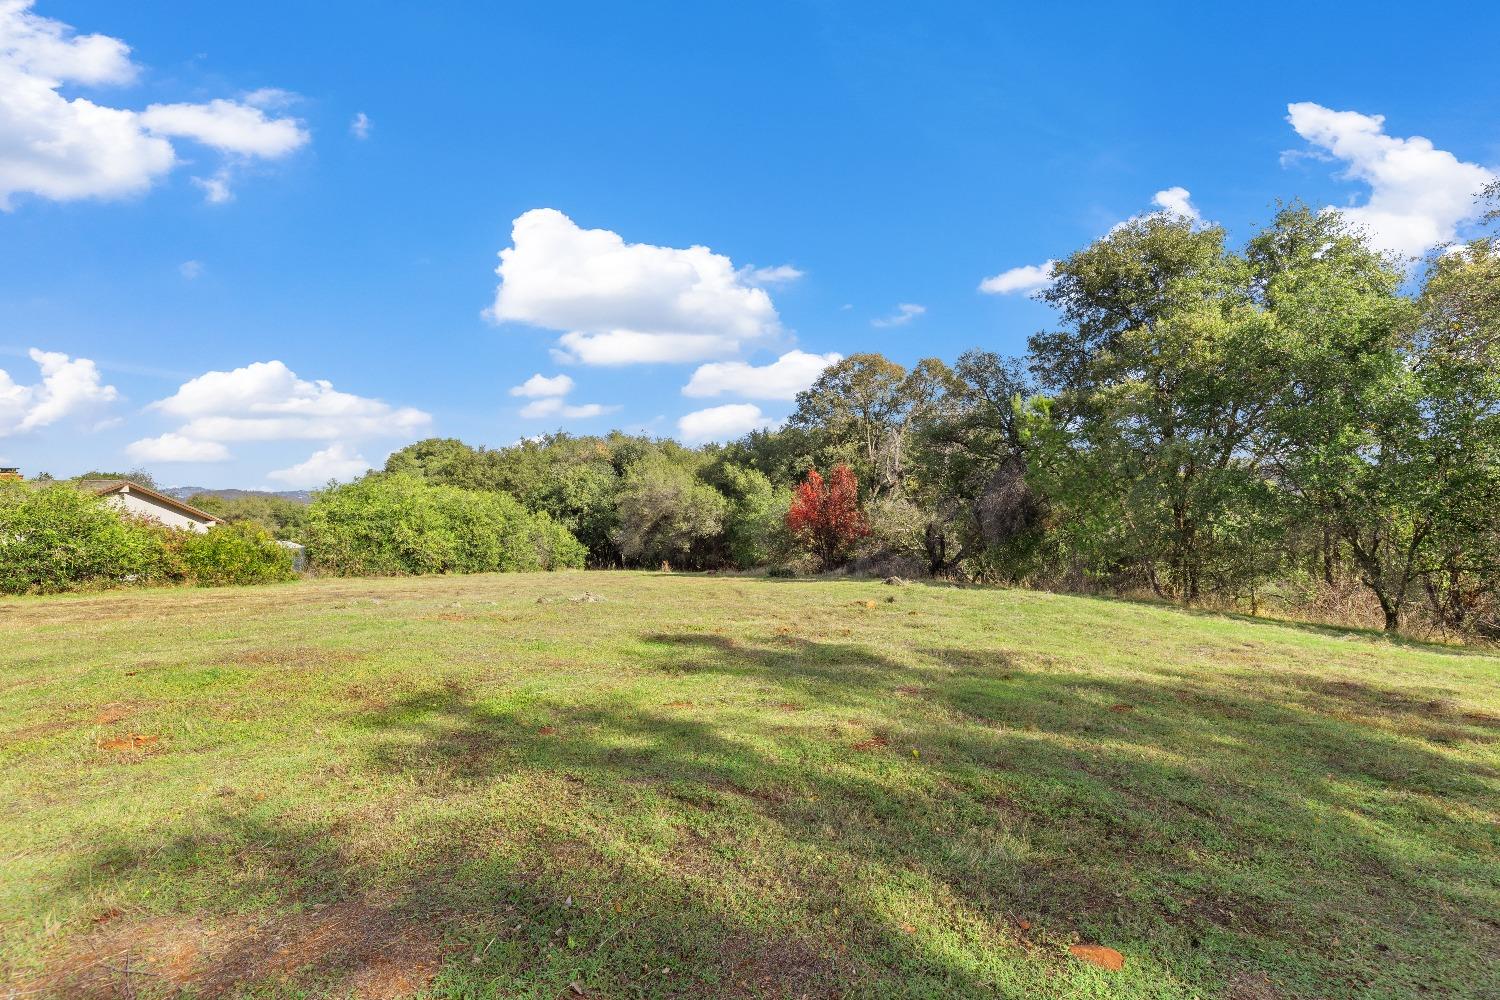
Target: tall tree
{"points": [[1161, 379], [865, 407]]}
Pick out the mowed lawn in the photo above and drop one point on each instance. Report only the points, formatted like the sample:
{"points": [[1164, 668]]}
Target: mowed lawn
{"points": [[644, 785]]}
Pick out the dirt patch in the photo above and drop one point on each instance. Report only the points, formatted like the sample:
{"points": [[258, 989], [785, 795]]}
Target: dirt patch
{"points": [[679, 704], [349, 949], [110, 714], [129, 743], [788, 706], [873, 743]]}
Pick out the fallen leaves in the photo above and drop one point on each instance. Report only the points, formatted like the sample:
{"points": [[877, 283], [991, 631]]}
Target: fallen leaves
{"points": [[1098, 954]]}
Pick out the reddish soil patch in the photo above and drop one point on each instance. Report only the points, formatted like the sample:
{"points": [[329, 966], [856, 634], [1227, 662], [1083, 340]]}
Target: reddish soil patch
{"points": [[788, 706], [350, 949], [873, 743], [548, 730], [110, 714], [1121, 707], [1098, 954], [128, 741]]}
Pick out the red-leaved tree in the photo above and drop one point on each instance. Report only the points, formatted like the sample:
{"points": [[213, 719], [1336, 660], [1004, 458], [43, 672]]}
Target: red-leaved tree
{"points": [[825, 515]]}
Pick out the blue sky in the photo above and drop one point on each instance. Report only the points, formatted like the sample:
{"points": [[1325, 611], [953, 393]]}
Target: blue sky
{"points": [[204, 202]]}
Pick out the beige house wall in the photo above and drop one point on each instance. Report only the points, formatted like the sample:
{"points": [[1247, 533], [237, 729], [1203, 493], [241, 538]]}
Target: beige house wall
{"points": [[144, 506]]}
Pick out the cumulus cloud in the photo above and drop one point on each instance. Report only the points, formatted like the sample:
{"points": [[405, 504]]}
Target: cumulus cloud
{"points": [[1026, 278], [621, 303], [539, 385], [904, 314], [1176, 201], [1419, 194], [781, 379], [191, 269], [336, 462], [267, 401], [555, 407], [65, 149], [546, 395], [176, 448], [359, 126], [68, 386], [722, 423]]}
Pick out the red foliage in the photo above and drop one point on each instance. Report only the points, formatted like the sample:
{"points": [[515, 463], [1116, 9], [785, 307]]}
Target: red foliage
{"points": [[825, 515]]}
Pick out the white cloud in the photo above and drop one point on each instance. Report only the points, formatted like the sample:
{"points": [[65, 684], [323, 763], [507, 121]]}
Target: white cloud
{"points": [[49, 49], [271, 98], [1419, 195], [1026, 278], [66, 149], [556, 407], [781, 274], [216, 188], [176, 448], [539, 385], [622, 303], [68, 386], [904, 314], [266, 401], [227, 126], [781, 379], [336, 462], [1176, 201], [722, 423], [359, 126], [190, 269]]}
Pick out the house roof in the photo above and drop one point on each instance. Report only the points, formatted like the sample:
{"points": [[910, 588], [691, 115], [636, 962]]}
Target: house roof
{"points": [[104, 487]]}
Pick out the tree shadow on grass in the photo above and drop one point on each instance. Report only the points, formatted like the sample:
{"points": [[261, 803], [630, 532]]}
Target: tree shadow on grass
{"points": [[862, 825]]}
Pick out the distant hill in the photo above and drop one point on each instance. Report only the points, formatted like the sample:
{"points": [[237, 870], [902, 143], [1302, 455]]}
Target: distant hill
{"points": [[184, 492]]}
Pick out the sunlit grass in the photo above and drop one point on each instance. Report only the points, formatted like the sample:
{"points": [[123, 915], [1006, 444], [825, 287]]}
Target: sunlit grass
{"points": [[704, 786]]}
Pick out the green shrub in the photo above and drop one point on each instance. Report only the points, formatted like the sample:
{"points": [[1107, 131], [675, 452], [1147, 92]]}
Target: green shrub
{"points": [[57, 538], [232, 554], [398, 524]]}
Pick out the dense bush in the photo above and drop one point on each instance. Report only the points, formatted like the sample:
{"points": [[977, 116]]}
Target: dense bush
{"points": [[57, 538], [232, 554], [667, 514], [398, 524], [280, 518]]}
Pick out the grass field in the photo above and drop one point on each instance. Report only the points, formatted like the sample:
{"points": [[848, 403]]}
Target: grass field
{"points": [[716, 786]]}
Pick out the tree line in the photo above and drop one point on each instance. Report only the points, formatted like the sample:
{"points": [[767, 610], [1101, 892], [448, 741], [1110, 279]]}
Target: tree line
{"points": [[1291, 423], [1298, 423]]}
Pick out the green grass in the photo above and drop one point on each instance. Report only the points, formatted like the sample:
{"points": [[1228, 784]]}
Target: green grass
{"points": [[719, 786]]}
